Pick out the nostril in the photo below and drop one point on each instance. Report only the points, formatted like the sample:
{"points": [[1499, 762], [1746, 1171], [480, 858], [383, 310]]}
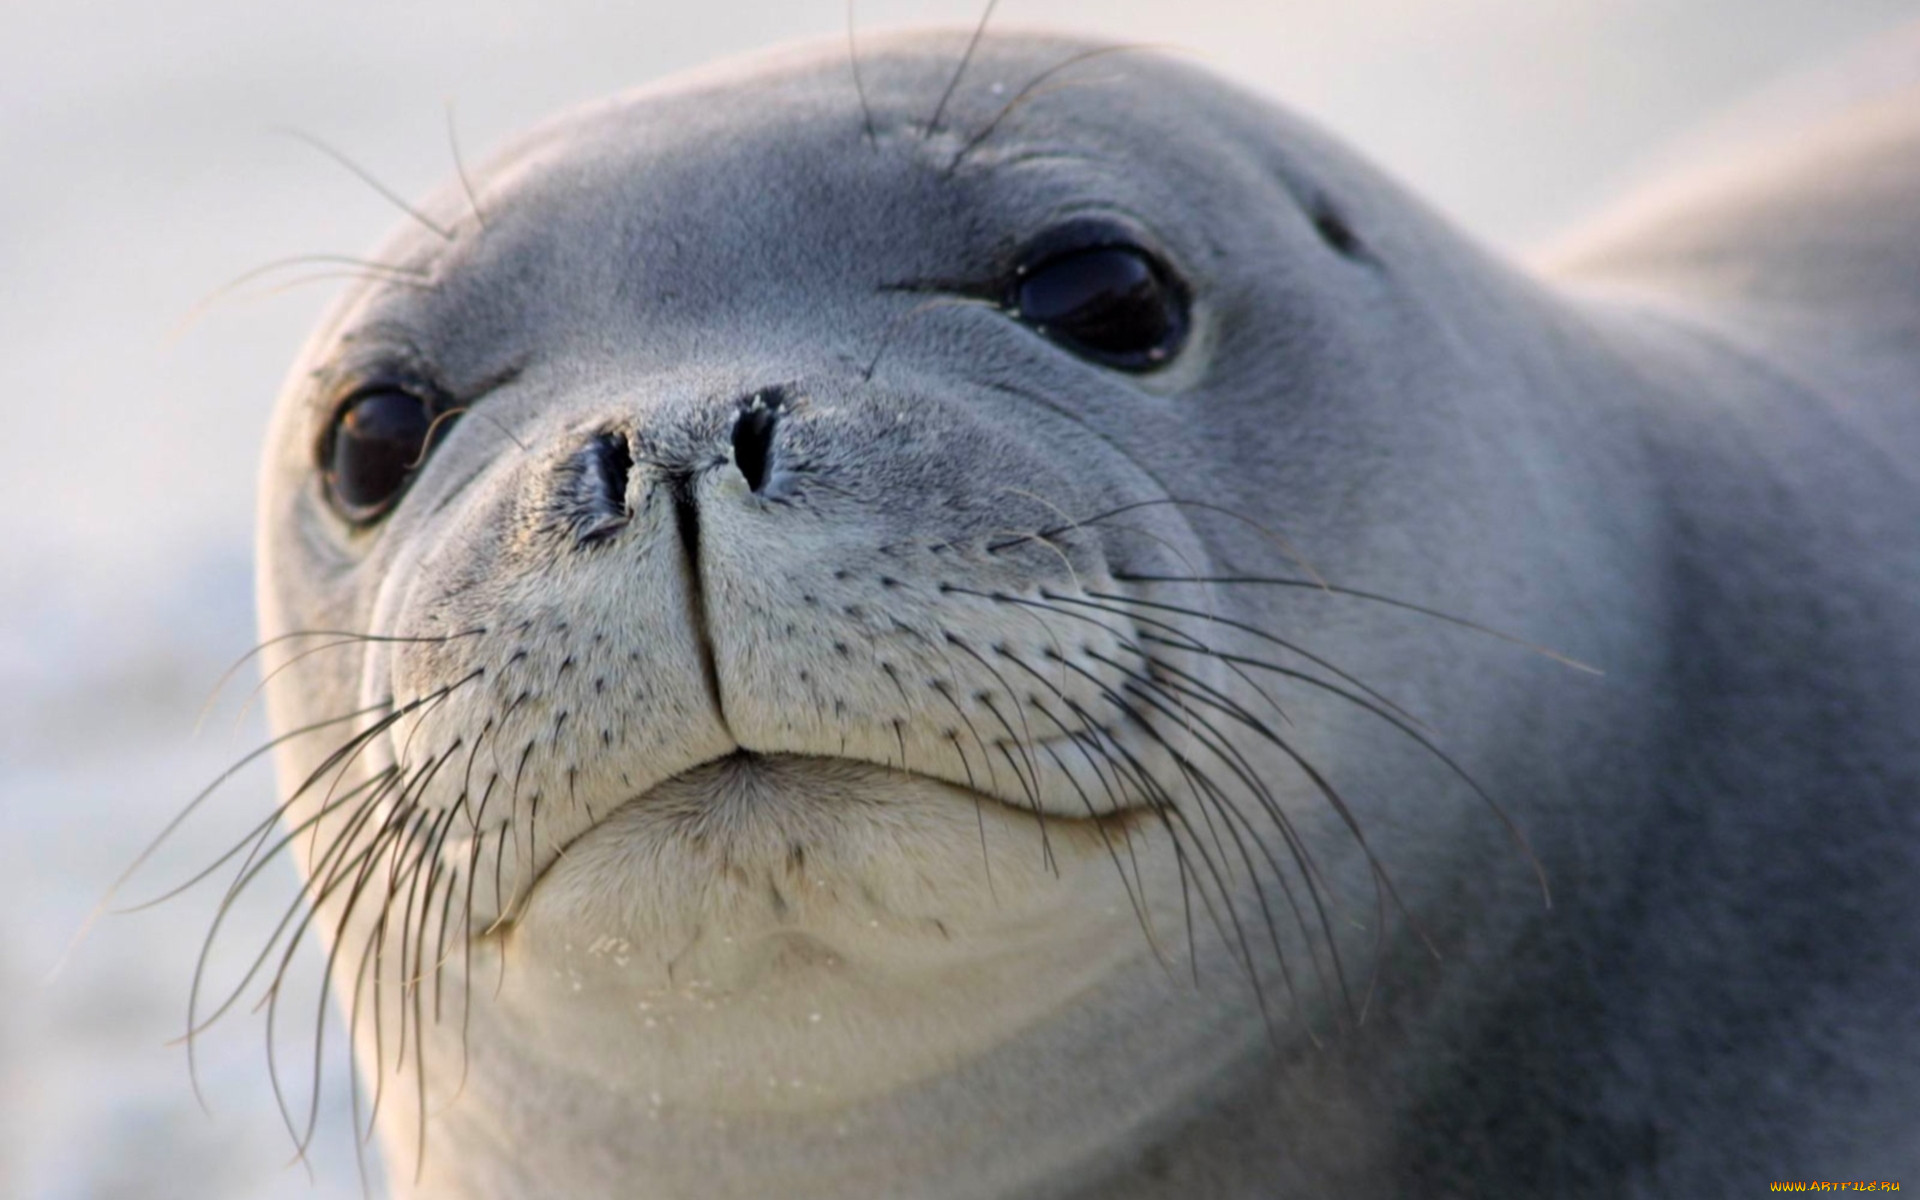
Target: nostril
{"points": [[616, 465], [753, 436], [593, 487]]}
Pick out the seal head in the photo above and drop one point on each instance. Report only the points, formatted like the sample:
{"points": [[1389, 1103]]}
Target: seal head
{"points": [[887, 620]]}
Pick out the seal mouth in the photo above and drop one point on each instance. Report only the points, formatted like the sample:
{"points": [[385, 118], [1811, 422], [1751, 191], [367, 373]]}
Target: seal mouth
{"points": [[727, 796], [741, 763]]}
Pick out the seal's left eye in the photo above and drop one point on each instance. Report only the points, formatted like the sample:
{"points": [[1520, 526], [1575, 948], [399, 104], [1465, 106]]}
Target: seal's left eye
{"points": [[377, 440], [1113, 304]]}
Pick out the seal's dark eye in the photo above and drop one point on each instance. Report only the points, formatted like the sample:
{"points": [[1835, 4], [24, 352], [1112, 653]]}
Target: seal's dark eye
{"points": [[377, 440], [1113, 304]]}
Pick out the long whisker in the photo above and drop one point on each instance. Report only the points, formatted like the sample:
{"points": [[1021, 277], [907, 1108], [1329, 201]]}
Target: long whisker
{"points": [[1514, 831], [1163, 807], [303, 1139], [1319, 781], [1220, 746], [362, 268], [460, 169], [364, 873], [1033, 90], [367, 177], [197, 1025], [1286, 547], [322, 876], [365, 807], [1136, 888], [104, 906], [1336, 590], [346, 636], [1214, 618], [859, 85], [973, 44], [1203, 786]]}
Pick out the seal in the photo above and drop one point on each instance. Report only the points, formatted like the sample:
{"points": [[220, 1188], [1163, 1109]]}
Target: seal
{"points": [[929, 630]]}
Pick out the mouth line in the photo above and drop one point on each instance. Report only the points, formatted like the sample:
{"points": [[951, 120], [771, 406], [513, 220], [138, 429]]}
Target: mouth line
{"points": [[1118, 819], [746, 759]]}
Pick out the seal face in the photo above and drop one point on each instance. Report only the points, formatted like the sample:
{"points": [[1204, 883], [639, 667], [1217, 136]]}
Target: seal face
{"points": [[876, 627]]}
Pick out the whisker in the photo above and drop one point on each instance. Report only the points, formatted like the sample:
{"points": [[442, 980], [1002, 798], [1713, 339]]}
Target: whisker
{"points": [[364, 872], [1334, 589], [1135, 895], [1220, 746], [396, 878], [1514, 831], [362, 268], [451, 414], [1163, 807], [1203, 786], [1286, 547], [187, 811], [973, 44], [347, 635], [1033, 771], [1134, 900], [1216, 619], [367, 177], [199, 1026], [893, 325], [460, 169], [1024, 603], [859, 86], [324, 870], [1032, 91]]}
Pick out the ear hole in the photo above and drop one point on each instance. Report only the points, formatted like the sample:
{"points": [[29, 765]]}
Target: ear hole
{"points": [[1336, 233]]}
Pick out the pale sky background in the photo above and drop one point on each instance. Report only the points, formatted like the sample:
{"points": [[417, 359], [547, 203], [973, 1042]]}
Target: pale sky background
{"points": [[138, 174]]}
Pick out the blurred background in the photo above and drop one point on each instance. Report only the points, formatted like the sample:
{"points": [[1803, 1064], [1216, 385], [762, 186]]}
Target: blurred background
{"points": [[141, 173]]}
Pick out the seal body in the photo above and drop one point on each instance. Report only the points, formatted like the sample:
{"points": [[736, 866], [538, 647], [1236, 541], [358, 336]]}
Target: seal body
{"points": [[931, 638]]}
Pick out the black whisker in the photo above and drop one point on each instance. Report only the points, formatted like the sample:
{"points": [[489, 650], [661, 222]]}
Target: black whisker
{"points": [[1285, 546], [1136, 889], [1032, 90], [272, 997], [1203, 786], [1242, 626], [1161, 804], [1029, 782], [973, 44], [1221, 747], [1514, 831], [1336, 590], [859, 86], [180, 818], [363, 872]]}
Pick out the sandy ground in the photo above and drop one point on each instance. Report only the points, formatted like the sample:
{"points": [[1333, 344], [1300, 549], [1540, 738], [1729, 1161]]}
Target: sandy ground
{"points": [[140, 174]]}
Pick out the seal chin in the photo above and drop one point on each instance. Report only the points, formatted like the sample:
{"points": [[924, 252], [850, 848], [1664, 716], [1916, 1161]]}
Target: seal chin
{"points": [[719, 925]]}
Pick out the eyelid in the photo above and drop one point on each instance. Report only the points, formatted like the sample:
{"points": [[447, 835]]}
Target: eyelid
{"points": [[1092, 231]]}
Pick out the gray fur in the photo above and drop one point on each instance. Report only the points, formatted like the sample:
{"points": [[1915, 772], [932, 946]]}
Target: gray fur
{"points": [[1684, 452]]}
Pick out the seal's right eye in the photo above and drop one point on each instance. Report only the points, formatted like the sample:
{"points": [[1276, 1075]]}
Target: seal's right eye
{"points": [[1115, 304], [378, 438]]}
